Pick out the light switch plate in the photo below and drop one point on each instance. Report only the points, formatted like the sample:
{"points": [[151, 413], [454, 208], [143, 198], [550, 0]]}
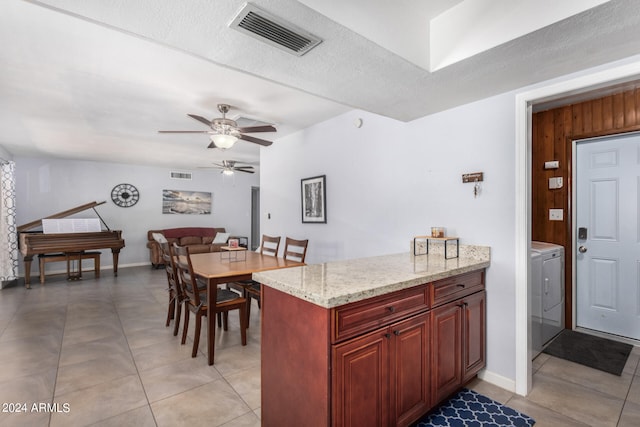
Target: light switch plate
{"points": [[553, 164], [555, 182], [556, 214]]}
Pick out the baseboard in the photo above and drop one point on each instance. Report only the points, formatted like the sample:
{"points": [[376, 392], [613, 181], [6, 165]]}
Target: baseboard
{"points": [[84, 269], [9, 283], [498, 380], [133, 264]]}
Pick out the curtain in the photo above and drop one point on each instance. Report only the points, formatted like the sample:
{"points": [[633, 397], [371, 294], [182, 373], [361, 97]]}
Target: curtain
{"points": [[8, 244]]}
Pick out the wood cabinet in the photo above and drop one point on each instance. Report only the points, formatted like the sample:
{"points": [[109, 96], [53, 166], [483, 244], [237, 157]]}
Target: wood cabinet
{"points": [[458, 343], [446, 350], [384, 361], [361, 381], [474, 335], [382, 378]]}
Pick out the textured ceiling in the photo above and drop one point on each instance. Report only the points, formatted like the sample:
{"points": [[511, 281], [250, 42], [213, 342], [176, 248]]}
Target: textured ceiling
{"points": [[96, 80]]}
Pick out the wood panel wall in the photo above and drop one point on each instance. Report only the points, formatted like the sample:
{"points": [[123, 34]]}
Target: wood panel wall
{"points": [[552, 134]]}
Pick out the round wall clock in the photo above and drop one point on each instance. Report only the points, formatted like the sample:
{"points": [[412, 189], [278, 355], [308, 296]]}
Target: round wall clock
{"points": [[125, 195]]}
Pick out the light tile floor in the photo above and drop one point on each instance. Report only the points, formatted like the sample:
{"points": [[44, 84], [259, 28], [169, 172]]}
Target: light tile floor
{"points": [[96, 352]]}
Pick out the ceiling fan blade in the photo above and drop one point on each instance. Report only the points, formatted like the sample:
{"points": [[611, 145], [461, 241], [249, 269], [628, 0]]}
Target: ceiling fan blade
{"points": [[252, 129], [212, 145], [183, 131], [256, 140], [242, 170], [248, 168], [200, 119]]}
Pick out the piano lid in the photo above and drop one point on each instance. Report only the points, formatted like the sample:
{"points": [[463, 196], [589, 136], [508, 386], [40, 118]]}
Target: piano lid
{"points": [[38, 222]]}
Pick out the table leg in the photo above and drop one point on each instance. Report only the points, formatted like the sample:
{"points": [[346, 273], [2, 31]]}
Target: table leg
{"points": [[71, 256], [211, 324], [27, 271], [245, 294], [244, 324], [41, 269]]}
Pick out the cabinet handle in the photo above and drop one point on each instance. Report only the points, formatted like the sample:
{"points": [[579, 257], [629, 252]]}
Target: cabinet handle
{"points": [[396, 332], [391, 309], [387, 335], [460, 285]]}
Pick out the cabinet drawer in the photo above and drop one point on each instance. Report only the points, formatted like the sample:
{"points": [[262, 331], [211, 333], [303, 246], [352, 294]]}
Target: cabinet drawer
{"points": [[449, 289], [360, 317]]}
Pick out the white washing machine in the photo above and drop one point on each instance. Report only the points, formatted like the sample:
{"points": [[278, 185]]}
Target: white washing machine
{"points": [[535, 320], [551, 288]]}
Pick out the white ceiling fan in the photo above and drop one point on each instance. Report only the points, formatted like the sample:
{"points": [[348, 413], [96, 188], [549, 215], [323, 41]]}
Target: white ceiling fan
{"points": [[225, 132], [229, 167]]}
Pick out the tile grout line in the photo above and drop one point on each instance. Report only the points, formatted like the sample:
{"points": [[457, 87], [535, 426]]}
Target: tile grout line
{"points": [[626, 397], [144, 390], [571, 381], [55, 383], [541, 373]]}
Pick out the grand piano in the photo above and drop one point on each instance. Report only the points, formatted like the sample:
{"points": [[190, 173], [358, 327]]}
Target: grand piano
{"points": [[36, 242]]}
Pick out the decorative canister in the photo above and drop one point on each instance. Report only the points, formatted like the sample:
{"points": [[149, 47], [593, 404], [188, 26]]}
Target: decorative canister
{"points": [[437, 231]]}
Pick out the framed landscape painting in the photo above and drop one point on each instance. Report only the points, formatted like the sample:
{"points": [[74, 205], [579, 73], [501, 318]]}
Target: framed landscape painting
{"points": [[186, 202], [314, 200]]}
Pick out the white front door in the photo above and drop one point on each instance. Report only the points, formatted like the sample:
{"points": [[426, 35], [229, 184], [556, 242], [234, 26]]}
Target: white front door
{"points": [[607, 231]]}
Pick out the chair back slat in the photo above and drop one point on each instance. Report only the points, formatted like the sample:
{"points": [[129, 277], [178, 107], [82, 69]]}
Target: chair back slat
{"points": [[169, 266], [295, 250], [270, 245], [188, 281]]}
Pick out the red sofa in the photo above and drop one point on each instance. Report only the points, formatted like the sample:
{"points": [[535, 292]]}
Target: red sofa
{"points": [[198, 239]]}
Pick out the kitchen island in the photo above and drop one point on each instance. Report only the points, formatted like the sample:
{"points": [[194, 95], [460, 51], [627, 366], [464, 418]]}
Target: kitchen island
{"points": [[372, 341]]}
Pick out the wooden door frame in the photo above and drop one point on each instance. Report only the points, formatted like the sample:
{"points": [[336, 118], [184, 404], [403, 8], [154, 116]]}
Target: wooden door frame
{"points": [[524, 102], [254, 240]]}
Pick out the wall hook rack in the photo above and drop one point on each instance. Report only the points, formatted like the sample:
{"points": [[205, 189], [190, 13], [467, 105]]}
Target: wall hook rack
{"points": [[476, 178]]}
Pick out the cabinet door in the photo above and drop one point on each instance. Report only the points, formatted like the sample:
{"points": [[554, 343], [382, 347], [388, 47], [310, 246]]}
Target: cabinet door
{"points": [[474, 335], [446, 350], [361, 381], [410, 387]]}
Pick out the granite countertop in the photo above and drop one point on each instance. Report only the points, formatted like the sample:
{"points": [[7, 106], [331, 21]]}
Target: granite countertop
{"points": [[333, 284]]}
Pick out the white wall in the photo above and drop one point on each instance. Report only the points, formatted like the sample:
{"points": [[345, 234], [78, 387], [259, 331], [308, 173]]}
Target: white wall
{"points": [[386, 182], [48, 186], [389, 181], [4, 154]]}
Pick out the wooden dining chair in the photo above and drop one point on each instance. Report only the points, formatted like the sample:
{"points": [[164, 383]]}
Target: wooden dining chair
{"points": [[176, 296], [270, 246], [295, 250], [196, 300]]}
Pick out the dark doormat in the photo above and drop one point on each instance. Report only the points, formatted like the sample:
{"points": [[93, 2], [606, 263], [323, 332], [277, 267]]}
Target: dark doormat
{"points": [[470, 409], [594, 352]]}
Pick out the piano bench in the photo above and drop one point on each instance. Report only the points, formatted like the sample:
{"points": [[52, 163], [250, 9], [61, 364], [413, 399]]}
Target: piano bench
{"points": [[46, 258]]}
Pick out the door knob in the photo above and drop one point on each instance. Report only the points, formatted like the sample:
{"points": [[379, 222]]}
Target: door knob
{"points": [[582, 249]]}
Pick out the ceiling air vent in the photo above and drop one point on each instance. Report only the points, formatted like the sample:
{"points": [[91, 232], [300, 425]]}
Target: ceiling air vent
{"points": [[180, 175], [275, 31]]}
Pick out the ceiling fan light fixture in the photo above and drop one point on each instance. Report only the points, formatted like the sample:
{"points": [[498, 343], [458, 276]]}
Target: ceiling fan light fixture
{"points": [[223, 141], [225, 132], [228, 172]]}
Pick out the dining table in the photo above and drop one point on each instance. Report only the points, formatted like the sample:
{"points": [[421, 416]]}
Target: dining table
{"points": [[217, 269]]}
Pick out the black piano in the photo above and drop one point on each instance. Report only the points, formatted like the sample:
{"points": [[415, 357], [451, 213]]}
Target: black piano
{"points": [[37, 243]]}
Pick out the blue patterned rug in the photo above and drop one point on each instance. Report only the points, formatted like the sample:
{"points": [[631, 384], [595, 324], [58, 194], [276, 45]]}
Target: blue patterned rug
{"points": [[468, 408]]}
